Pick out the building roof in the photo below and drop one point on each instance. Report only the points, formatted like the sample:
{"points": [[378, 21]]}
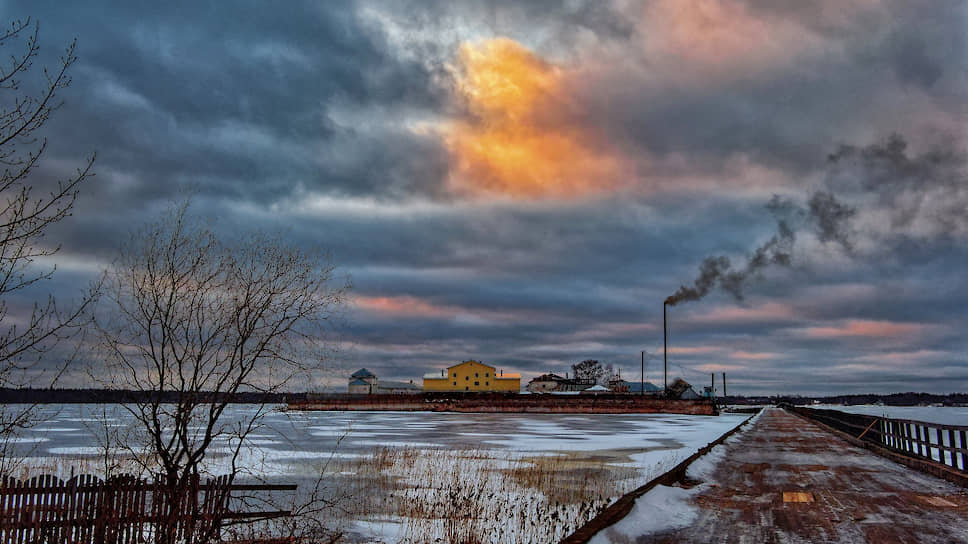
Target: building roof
{"points": [[470, 361], [548, 378], [439, 376], [362, 373], [386, 384], [689, 394], [636, 387], [598, 388], [359, 382]]}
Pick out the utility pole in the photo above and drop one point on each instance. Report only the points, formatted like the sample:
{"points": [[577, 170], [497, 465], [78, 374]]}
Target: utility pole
{"points": [[642, 391], [724, 384], [712, 390], [665, 353]]}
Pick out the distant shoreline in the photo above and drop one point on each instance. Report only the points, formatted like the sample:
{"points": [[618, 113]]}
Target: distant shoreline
{"points": [[116, 396]]}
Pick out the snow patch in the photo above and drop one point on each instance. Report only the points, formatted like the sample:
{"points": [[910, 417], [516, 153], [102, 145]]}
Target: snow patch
{"points": [[660, 510]]}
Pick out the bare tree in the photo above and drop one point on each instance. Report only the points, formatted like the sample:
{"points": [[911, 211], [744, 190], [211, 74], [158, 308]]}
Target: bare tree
{"points": [[198, 319], [27, 211], [590, 370]]}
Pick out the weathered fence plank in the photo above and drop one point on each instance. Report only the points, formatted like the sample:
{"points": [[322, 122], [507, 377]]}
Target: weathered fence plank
{"points": [[121, 510]]}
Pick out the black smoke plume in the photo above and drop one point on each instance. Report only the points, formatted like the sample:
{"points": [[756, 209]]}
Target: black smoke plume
{"points": [[831, 218], [930, 187], [900, 182], [718, 271]]}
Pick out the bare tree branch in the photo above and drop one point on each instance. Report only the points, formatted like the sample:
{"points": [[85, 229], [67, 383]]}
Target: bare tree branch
{"points": [[25, 217], [204, 318]]}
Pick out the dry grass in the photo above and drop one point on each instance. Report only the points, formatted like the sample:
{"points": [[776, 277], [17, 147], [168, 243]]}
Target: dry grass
{"points": [[485, 496], [416, 496]]}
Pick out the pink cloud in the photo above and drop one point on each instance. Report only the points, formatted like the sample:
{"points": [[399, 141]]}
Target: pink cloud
{"points": [[614, 330], [724, 39], [906, 357], [713, 367], [771, 311], [403, 305], [755, 355], [694, 350], [863, 328], [410, 306]]}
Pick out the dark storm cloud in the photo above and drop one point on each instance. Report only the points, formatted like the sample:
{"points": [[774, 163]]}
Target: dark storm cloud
{"points": [[238, 101], [321, 121], [559, 22], [839, 72]]}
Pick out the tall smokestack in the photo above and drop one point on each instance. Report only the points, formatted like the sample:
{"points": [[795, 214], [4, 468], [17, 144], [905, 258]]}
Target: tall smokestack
{"points": [[724, 384], [665, 351], [643, 374]]}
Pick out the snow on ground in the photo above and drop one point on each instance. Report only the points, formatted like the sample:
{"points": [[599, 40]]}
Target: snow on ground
{"points": [[506, 477], [667, 508], [660, 510], [944, 415]]}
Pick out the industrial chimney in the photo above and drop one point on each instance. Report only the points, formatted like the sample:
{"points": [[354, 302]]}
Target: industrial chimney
{"points": [[665, 350]]}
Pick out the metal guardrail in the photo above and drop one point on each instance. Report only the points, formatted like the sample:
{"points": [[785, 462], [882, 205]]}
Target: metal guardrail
{"points": [[944, 444]]}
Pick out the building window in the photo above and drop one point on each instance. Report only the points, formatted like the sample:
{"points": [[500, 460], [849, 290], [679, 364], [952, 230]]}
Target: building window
{"points": [[455, 374], [466, 378], [455, 383], [487, 374], [487, 384], [465, 388], [475, 375], [477, 383]]}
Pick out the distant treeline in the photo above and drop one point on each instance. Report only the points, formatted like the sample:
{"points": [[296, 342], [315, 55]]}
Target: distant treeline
{"points": [[108, 396], [894, 399]]}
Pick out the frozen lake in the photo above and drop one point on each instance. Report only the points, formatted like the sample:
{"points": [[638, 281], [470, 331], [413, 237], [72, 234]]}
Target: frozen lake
{"points": [[944, 415], [72, 430], [394, 467]]}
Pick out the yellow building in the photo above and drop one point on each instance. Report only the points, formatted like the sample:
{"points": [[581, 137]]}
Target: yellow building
{"points": [[472, 376]]}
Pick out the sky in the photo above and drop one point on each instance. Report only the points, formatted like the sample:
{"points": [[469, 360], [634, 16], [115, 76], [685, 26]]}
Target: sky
{"points": [[525, 183]]}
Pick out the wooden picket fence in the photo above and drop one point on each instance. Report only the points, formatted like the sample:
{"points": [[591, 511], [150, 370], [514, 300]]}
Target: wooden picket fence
{"points": [[120, 510]]}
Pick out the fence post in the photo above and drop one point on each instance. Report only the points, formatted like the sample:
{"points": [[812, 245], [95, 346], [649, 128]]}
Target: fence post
{"points": [[941, 458], [927, 442], [964, 456]]}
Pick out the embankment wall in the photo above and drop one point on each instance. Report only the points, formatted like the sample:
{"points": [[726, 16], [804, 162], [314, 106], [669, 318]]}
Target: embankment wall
{"points": [[507, 403]]}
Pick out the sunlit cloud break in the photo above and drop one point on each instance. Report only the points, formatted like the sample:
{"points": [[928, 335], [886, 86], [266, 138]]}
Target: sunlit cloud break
{"points": [[515, 140]]}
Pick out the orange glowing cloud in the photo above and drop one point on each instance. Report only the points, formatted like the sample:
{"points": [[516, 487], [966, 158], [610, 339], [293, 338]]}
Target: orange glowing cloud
{"points": [[517, 141]]}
